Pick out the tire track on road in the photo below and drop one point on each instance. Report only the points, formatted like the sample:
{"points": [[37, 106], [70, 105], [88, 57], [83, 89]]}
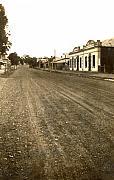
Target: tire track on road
{"points": [[54, 105], [54, 155], [49, 128]]}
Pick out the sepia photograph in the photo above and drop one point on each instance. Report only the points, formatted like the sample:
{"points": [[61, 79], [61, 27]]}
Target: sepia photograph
{"points": [[56, 90]]}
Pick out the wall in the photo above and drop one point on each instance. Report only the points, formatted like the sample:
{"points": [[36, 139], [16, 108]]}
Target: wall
{"points": [[82, 54], [107, 59]]}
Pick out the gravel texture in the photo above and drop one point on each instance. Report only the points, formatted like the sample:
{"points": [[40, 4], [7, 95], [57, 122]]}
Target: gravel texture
{"points": [[56, 127]]}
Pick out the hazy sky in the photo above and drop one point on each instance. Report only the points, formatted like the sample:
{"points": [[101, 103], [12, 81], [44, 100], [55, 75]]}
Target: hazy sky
{"points": [[39, 26]]}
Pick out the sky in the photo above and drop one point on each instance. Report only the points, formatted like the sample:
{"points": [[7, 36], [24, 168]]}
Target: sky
{"points": [[41, 27]]}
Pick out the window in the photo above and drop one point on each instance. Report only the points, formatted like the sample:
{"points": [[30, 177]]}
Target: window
{"points": [[94, 61], [70, 63], [80, 62], [75, 63], [86, 62]]}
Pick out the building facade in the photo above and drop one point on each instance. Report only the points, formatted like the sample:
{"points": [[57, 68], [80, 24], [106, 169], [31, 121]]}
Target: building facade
{"points": [[4, 63], [92, 57], [62, 63]]}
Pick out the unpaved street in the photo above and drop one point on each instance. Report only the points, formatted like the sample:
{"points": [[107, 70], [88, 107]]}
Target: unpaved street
{"points": [[56, 126]]}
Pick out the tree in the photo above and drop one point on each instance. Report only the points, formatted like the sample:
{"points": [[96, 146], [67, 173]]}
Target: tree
{"points": [[31, 61], [5, 44], [34, 62], [21, 60], [27, 59], [14, 58]]}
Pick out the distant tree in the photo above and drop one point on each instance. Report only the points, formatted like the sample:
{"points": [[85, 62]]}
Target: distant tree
{"points": [[5, 44], [14, 58], [34, 62], [21, 60], [27, 59], [31, 61]]}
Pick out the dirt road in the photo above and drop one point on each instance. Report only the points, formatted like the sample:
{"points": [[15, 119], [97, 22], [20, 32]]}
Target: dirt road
{"points": [[56, 126]]}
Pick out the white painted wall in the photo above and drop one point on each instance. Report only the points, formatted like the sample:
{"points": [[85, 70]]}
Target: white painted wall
{"points": [[93, 51]]}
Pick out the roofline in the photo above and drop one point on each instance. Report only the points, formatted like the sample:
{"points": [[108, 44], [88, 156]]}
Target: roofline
{"points": [[82, 50]]}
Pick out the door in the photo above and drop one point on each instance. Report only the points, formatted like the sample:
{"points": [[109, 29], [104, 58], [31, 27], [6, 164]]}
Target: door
{"points": [[77, 63], [89, 67]]}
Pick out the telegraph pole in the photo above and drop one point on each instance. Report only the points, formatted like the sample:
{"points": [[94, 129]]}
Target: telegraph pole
{"points": [[54, 57], [54, 52]]}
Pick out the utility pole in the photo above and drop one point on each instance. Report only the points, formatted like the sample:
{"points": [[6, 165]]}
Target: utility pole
{"points": [[54, 58], [54, 52]]}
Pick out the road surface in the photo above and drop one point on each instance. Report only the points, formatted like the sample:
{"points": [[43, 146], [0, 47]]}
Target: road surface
{"points": [[56, 126]]}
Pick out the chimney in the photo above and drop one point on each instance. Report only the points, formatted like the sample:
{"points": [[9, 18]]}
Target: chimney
{"points": [[99, 43]]}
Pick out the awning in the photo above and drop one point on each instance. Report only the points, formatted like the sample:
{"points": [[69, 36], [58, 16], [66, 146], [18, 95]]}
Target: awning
{"points": [[61, 61]]}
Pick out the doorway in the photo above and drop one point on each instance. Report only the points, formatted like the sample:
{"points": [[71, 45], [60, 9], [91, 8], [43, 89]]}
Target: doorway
{"points": [[89, 67], [77, 63]]}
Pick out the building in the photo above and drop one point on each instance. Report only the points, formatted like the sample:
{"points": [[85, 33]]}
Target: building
{"points": [[4, 64], [42, 62], [93, 57], [61, 63]]}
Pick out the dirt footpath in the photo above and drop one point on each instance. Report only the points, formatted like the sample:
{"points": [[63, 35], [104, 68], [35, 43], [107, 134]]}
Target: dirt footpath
{"points": [[56, 127]]}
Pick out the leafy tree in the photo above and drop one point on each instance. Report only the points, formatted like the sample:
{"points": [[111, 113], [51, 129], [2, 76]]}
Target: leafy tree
{"points": [[5, 44], [27, 59], [31, 61], [34, 61], [14, 58], [21, 60]]}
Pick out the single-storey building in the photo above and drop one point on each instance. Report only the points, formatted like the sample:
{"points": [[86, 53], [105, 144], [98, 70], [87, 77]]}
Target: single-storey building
{"points": [[4, 64], [42, 62], [92, 57], [61, 63]]}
